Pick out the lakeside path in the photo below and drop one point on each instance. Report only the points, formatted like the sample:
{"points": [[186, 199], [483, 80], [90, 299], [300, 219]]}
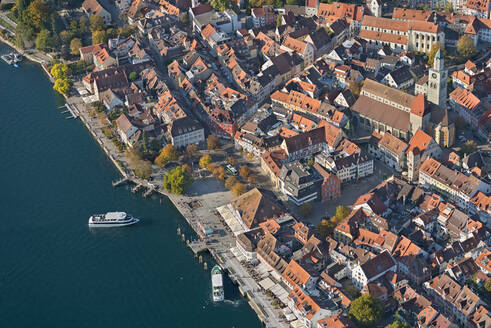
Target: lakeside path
{"points": [[223, 240], [210, 194]]}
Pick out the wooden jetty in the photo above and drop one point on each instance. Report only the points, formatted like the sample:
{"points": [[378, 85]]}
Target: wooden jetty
{"points": [[197, 246], [136, 188], [149, 191], [120, 182], [69, 109]]}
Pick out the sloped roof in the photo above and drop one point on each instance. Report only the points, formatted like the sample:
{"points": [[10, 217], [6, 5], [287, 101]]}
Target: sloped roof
{"points": [[254, 207]]}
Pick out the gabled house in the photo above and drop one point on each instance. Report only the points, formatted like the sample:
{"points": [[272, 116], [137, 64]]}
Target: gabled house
{"points": [[373, 269], [129, 133]]}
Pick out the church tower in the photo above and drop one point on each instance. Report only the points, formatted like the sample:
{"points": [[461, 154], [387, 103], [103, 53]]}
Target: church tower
{"points": [[437, 82]]}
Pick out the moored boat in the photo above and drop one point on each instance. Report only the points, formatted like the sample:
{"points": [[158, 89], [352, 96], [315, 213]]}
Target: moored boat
{"points": [[112, 219], [217, 284]]}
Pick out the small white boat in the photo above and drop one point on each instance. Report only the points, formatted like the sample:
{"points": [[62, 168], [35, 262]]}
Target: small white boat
{"points": [[112, 219], [217, 283]]}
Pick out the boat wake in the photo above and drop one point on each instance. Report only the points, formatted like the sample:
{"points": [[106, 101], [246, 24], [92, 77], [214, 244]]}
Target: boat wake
{"points": [[235, 303]]}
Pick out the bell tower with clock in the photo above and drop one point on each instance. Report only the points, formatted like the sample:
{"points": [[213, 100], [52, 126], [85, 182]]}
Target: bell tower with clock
{"points": [[437, 82]]}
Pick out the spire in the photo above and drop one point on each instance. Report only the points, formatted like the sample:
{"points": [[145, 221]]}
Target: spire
{"points": [[438, 54], [438, 61]]}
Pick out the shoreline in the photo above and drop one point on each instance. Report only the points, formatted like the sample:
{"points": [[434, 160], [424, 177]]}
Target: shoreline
{"points": [[225, 259]]}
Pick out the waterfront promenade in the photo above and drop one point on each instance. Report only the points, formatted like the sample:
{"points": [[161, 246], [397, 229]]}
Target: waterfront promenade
{"points": [[210, 194]]}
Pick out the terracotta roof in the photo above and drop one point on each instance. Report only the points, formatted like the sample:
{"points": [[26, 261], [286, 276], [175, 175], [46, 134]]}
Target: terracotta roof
{"points": [[419, 107], [270, 225], [208, 31], [201, 8], [482, 202], [302, 122], [93, 7], [340, 10], [463, 77], [295, 45], [429, 166], [303, 302], [427, 315], [91, 49], [465, 98], [273, 160], [419, 142], [381, 112], [295, 274], [311, 4], [392, 144], [254, 207], [380, 263], [373, 201], [335, 321], [384, 37], [385, 92], [412, 14], [480, 5]]}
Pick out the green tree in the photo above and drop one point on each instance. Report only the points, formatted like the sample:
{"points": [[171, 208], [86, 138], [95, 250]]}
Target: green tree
{"points": [[487, 286], [341, 212], [293, 2], [213, 142], [204, 161], [167, 154], [398, 323], [73, 28], [133, 76], [178, 179], [466, 47], [83, 25], [433, 51], [238, 189], [75, 46], [230, 182], [279, 20], [325, 228], [366, 311], [43, 40], [305, 209], [65, 37], [355, 88], [449, 7], [98, 36], [39, 14], [244, 171], [59, 70], [191, 150], [220, 5], [62, 85], [469, 147], [96, 23]]}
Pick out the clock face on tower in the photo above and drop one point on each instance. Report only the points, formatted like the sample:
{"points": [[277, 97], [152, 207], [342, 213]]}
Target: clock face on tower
{"points": [[433, 75]]}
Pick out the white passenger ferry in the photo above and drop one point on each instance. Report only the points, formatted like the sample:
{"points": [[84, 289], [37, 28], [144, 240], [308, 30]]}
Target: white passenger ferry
{"points": [[217, 283], [112, 219]]}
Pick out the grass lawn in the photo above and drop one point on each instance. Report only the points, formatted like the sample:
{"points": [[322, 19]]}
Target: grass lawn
{"points": [[11, 16], [7, 25]]}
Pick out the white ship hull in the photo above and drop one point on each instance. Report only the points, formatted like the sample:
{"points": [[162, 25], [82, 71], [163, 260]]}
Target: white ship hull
{"points": [[217, 284], [107, 225], [111, 219]]}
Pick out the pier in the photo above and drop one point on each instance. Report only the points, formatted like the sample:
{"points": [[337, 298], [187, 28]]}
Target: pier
{"points": [[149, 191], [136, 188], [120, 182], [73, 114], [197, 246]]}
